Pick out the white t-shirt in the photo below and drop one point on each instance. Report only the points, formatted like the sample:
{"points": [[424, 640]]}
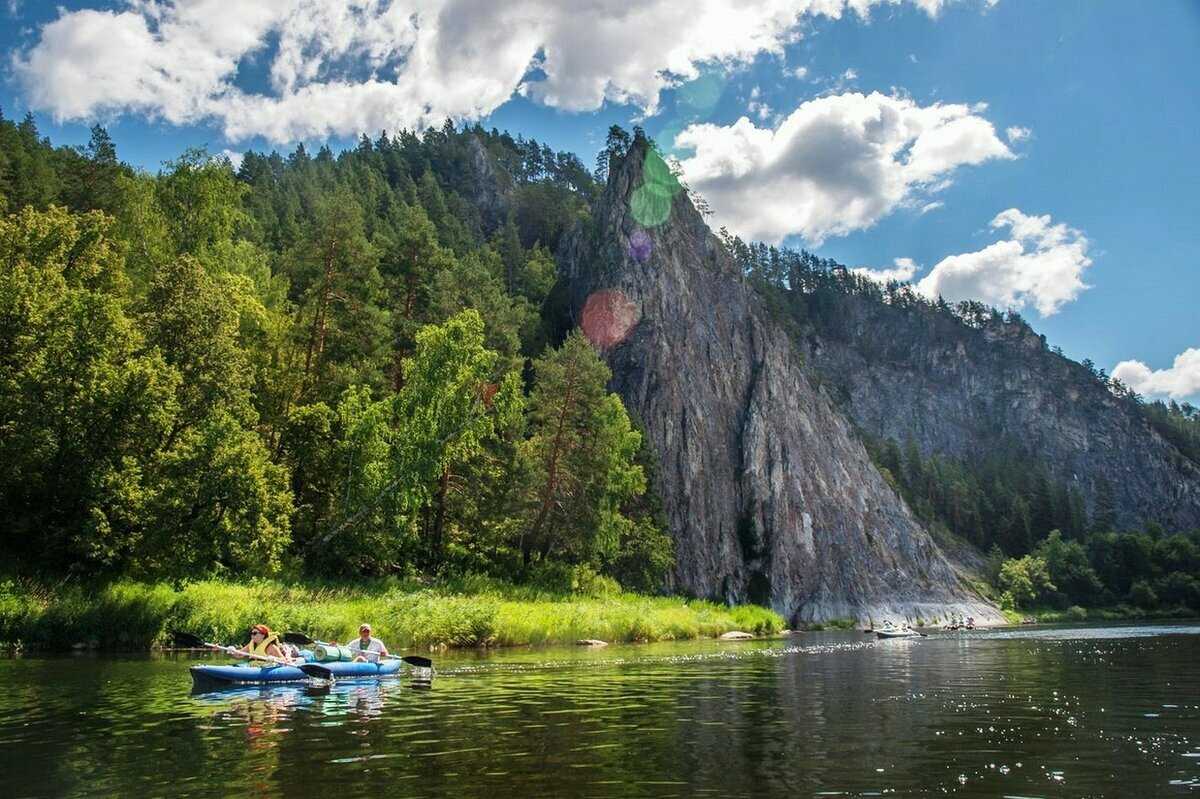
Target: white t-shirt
{"points": [[374, 646]]}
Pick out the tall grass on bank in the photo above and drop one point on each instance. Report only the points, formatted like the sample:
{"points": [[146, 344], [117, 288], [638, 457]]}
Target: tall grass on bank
{"points": [[463, 613]]}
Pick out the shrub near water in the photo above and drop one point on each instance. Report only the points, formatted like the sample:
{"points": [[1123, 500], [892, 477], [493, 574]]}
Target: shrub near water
{"points": [[468, 612]]}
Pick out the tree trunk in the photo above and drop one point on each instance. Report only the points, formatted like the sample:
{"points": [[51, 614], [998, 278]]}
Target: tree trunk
{"points": [[439, 519], [552, 460], [316, 339]]}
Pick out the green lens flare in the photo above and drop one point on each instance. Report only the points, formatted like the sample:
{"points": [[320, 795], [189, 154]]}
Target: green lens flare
{"points": [[650, 205]]}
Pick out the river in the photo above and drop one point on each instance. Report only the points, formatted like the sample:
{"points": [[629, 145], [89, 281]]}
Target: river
{"points": [[1042, 712]]}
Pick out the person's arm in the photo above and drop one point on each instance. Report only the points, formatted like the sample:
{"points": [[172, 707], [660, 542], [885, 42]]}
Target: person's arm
{"points": [[383, 651], [274, 651]]}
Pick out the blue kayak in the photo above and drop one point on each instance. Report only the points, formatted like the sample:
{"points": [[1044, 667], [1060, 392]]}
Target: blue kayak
{"points": [[236, 675]]}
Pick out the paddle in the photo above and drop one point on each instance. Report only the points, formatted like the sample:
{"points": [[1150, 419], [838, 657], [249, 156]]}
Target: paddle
{"points": [[413, 660], [189, 640]]}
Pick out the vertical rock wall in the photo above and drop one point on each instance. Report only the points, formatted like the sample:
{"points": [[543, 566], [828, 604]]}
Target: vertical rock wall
{"points": [[768, 495]]}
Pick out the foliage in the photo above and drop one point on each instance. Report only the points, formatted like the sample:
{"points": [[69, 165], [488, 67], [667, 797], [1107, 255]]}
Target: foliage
{"points": [[579, 458], [1025, 580], [471, 611], [1147, 569], [316, 361]]}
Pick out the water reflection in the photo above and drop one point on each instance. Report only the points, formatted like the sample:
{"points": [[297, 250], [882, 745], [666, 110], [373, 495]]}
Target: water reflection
{"points": [[1029, 713]]}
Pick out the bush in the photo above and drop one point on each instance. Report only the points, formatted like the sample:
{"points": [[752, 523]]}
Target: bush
{"points": [[1142, 595], [1178, 588], [1025, 580], [1076, 613]]}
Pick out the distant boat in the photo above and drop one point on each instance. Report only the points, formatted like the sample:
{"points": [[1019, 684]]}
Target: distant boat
{"points": [[907, 632]]}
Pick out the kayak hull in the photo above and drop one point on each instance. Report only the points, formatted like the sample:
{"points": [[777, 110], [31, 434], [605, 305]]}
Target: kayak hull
{"points": [[897, 634], [242, 675]]}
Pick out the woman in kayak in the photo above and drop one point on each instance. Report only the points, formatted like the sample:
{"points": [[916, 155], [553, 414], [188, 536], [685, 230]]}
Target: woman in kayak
{"points": [[365, 648], [262, 642]]}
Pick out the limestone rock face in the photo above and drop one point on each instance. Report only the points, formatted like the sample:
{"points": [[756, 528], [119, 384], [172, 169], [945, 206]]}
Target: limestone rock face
{"points": [[769, 496], [955, 390]]}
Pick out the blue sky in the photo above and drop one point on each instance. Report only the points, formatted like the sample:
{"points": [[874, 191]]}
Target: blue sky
{"points": [[1080, 117]]}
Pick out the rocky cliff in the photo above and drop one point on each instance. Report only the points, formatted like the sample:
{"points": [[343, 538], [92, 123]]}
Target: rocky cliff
{"points": [[958, 389], [769, 495]]}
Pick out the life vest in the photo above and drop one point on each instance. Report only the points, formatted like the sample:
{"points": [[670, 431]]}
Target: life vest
{"points": [[261, 647]]}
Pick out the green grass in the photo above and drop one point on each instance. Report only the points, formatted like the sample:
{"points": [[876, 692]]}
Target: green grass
{"points": [[467, 612]]}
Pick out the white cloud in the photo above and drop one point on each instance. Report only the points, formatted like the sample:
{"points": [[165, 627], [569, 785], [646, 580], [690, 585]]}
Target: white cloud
{"points": [[1180, 381], [835, 165], [1040, 264], [800, 72], [757, 106], [339, 68], [902, 271], [933, 206], [1017, 134]]}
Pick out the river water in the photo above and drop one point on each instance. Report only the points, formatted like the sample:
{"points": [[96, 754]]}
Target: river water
{"points": [[1078, 712]]}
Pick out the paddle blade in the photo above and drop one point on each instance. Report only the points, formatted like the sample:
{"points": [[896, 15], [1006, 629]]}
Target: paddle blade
{"points": [[316, 670], [297, 638], [418, 661], [187, 640]]}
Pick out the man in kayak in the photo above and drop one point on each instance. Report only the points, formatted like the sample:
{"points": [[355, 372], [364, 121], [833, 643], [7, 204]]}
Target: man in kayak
{"points": [[365, 648]]}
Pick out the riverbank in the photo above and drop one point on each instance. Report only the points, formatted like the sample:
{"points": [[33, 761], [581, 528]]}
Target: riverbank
{"points": [[471, 612], [1114, 613]]}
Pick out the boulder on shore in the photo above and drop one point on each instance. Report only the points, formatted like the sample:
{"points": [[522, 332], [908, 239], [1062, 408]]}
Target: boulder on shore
{"points": [[591, 642], [735, 635]]}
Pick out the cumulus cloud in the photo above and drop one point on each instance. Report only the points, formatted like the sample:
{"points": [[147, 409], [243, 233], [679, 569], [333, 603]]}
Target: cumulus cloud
{"points": [[349, 66], [1039, 264], [902, 271], [1180, 381], [835, 165]]}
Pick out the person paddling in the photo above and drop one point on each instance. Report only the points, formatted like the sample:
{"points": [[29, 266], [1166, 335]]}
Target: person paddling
{"points": [[262, 642], [365, 648]]}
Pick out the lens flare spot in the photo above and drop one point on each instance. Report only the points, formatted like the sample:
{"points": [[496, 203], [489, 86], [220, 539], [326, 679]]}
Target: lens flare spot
{"points": [[640, 246], [608, 317], [651, 201]]}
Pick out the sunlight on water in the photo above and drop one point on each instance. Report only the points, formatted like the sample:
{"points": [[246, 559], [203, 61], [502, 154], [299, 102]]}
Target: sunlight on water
{"points": [[1024, 713]]}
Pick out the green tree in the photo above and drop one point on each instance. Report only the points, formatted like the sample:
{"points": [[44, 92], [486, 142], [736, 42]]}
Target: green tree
{"points": [[444, 417], [1026, 580], [580, 458], [201, 200], [219, 504], [411, 259], [1069, 569], [341, 322], [82, 404]]}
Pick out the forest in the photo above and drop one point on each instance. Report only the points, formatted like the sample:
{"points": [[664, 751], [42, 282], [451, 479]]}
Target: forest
{"points": [[312, 364], [359, 364]]}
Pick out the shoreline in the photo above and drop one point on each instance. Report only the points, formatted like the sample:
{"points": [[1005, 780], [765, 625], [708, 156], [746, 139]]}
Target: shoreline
{"points": [[473, 612], [470, 613]]}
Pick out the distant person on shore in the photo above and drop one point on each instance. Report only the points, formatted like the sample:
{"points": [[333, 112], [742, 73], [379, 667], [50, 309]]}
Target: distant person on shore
{"points": [[367, 649]]}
